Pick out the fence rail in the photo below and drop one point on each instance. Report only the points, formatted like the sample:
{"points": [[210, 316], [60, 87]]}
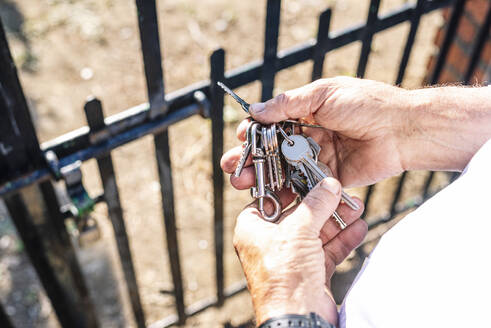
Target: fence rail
{"points": [[102, 135]]}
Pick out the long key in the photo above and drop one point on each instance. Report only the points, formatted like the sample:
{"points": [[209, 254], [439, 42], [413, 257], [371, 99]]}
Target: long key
{"points": [[339, 220], [299, 154], [300, 151], [267, 151], [276, 157], [245, 106], [310, 179]]}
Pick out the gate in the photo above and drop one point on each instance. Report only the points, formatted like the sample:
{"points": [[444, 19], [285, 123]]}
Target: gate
{"points": [[25, 165]]}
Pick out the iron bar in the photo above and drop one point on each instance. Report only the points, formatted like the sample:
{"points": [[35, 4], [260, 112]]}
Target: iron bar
{"points": [[321, 44], [19, 146], [152, 57], [149, 36], [95, 119], [367, 36], [481, 39], [415, 19], [162, 151], [217, 65], [268, 70]]}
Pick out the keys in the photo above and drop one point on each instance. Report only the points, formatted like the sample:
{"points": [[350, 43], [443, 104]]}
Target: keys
{"points": [[301, 152], [294, 163], [269, 155], [301, 155], [260, 191], [245, 106]]}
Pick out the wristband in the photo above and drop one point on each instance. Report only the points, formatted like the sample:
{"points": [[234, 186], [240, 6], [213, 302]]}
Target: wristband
{"points": [[312, 320]]}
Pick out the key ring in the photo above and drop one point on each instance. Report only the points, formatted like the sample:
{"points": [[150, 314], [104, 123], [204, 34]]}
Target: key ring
{"points": [[276, 206]]}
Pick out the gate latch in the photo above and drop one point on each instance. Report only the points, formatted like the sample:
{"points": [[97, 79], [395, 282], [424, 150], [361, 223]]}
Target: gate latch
{"points": [[82, 203]]}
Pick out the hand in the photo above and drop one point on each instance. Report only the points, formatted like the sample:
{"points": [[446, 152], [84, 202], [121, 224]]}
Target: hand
{"points": [[363, 119], [289, 265]]}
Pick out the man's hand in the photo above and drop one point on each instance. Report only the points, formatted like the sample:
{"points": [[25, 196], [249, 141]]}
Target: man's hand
{"points": [[375, 130], [361, 118], [289, 265]]}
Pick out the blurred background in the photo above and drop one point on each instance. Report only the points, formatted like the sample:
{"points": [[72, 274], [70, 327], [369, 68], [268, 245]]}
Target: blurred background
{"points": [[67, 50]]}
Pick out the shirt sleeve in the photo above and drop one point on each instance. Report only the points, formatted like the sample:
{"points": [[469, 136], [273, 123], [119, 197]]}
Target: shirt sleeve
{"points": [[433, 268]]}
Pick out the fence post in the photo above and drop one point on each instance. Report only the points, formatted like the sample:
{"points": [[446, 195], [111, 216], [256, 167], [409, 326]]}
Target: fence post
{"points": [[268, 71], [217, 73], [152, 61], [321, 44], [95, 119], [19, 146]]}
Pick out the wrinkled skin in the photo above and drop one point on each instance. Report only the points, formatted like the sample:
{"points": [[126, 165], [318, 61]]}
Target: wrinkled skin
{"points": [[372, 131], [289, 265]]}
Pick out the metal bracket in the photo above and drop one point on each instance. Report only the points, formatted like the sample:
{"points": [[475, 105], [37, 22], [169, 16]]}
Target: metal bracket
{"points": [[81, 204], [81, 201]]}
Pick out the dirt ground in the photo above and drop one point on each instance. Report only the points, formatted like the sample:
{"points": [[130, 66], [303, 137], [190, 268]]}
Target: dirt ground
{"points": [[67, 50]]}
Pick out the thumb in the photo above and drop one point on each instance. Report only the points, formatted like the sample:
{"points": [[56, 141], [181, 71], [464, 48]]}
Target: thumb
{"points": [[317, 207], [292, 104]]}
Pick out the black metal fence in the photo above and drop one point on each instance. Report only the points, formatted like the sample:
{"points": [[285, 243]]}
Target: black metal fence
{"points": [[24, 164]]}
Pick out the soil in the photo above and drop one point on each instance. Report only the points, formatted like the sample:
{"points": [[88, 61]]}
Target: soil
{"points": [[67, 50]]}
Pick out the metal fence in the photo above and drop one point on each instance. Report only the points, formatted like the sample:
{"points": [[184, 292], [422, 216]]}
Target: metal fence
{"points": [[23, 162]]}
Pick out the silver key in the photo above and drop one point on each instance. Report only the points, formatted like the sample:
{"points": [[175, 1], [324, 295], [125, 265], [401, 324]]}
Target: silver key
{"points": [[339, 220], [311, 182], [300, 151], [275, 158], [299, 184], [267, 151], [299, 154], [315, 148]]}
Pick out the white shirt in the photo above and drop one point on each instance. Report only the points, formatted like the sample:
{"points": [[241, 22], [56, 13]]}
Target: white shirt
{"points": [[433, 268]]}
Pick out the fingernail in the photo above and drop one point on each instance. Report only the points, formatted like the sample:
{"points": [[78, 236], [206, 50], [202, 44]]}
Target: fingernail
{"points": [[331, 185], [257, 108]]}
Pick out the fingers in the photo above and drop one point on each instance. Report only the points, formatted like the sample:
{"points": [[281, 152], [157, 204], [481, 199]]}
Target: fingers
{"points": [[316, 207], [246, 180], [241, 129], [331, 228], [293, 104], [347, 240]]}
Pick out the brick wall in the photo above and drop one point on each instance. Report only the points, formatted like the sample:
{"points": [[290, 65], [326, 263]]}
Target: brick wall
{"points": [[460, 50]]}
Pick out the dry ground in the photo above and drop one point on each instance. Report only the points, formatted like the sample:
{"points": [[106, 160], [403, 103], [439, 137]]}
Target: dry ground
{"points": [[71, 49]]}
